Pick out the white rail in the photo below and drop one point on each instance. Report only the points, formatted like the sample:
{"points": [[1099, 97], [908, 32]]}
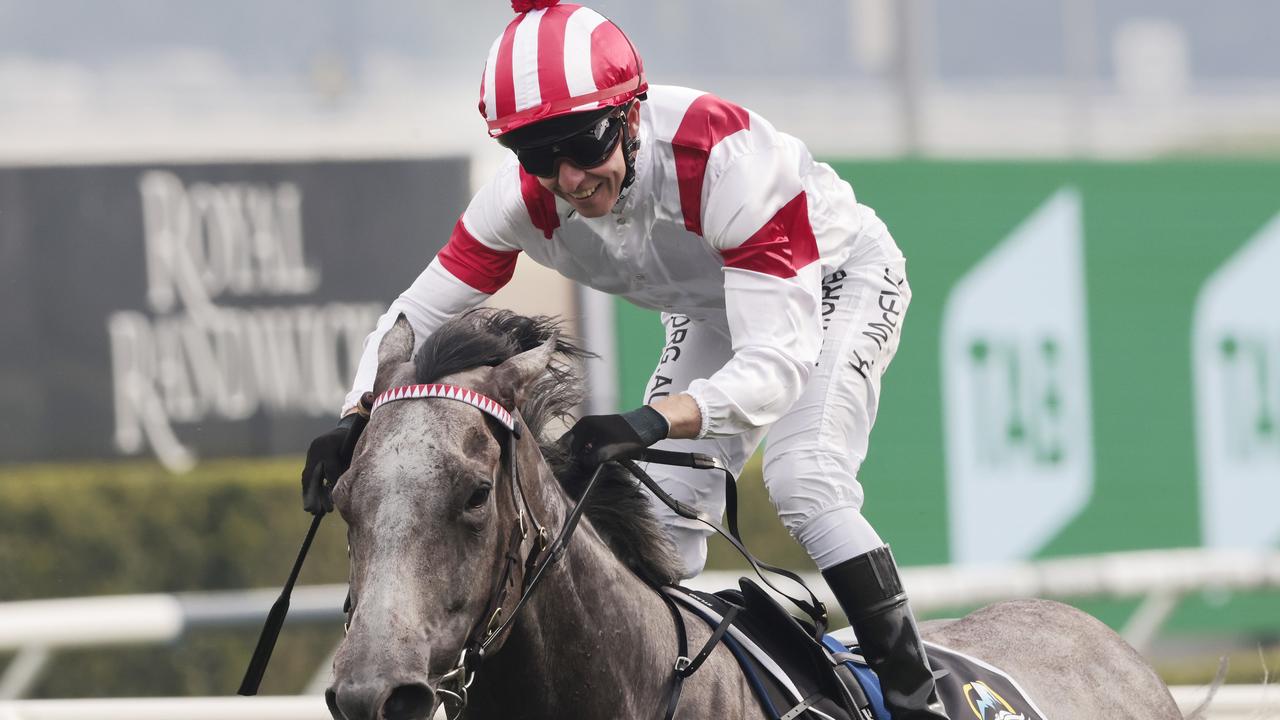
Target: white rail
{"points": [[120, 619], [1233, 702], [125, 619], [35, 629], [301, 707], [1162, 577], [1117, 575]]}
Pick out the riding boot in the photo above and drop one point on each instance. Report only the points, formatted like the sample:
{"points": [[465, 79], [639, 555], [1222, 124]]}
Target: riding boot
{"points": [[870, 592]]}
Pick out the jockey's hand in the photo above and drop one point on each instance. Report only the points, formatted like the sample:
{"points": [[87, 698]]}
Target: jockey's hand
{"points": [[328, 457], [599, 438]]}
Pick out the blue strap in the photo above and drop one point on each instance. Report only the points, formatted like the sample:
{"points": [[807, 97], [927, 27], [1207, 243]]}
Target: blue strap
{"points": [[866, 678]]}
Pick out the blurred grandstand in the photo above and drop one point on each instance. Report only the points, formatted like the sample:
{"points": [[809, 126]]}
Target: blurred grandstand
{"points": [[980, 78]]}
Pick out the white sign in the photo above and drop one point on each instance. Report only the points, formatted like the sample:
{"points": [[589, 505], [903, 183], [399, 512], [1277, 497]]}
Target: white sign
{"points": [[1016, 390], [1236, 360]]}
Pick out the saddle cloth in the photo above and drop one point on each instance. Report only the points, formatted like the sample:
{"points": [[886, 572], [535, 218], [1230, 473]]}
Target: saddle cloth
{"points": [[795, 677]]}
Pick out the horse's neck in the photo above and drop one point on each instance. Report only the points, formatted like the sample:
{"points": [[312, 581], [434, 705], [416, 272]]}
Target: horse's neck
{"points": [[592, 633]]}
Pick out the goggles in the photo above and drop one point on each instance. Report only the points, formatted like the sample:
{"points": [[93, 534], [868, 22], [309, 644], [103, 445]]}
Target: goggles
{"points": [[586, 149]]}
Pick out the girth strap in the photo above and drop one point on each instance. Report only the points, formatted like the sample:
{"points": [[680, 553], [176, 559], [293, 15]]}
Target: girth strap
{"points": [[685, 667], [682, 651], [804, 705], [692, 665]]}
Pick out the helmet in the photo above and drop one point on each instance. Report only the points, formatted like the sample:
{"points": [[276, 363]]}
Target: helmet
{"points": [[554, 60]]}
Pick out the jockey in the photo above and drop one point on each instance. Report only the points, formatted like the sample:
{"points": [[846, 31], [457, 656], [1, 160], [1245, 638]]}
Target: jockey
{"points": [[781, 295]]}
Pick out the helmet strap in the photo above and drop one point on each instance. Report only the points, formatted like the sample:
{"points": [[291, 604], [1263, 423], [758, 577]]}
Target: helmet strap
{"points": [[630, 147]]}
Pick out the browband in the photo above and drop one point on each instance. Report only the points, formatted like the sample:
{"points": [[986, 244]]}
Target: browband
{"points": [[483, 403]]}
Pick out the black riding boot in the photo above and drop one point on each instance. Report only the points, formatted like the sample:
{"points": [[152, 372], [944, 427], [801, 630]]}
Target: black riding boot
{"points": [[870, 592]]}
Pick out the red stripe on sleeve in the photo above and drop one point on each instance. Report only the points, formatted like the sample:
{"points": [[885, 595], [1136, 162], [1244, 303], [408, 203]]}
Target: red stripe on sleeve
{"points": [[481, 267], [780, 248], [707, 121], [540, 203], [551, 78], [504, 84]]}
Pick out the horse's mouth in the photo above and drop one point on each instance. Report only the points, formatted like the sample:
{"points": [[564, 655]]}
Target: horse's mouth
{"points": [[446, 702]]}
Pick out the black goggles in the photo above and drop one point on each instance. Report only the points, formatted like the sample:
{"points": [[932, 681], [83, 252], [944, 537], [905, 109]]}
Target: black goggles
{"points": [[586, 149]]}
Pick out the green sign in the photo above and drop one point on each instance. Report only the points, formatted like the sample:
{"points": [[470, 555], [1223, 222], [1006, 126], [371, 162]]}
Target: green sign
{"points": [[1091, 361]]}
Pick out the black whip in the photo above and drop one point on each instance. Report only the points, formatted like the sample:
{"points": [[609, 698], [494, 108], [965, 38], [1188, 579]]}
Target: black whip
{"points": [[275, 620]]}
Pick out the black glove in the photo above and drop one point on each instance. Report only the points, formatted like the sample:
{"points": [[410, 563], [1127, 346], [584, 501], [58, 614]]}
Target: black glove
{"points": [[599, 438], [328, 457]]}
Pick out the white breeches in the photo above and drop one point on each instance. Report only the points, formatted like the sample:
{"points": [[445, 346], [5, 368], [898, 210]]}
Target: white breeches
{"points": [[812, 453]]}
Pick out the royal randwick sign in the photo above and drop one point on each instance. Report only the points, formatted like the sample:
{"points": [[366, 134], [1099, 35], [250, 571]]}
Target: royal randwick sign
{"points": [[186, 359], [235, 303]]}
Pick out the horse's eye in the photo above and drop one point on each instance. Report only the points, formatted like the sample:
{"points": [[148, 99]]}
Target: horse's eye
{"points": [[479, 497]]}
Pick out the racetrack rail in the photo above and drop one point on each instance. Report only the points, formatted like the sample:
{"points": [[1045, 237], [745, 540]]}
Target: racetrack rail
{"points": [[1233, 702]]}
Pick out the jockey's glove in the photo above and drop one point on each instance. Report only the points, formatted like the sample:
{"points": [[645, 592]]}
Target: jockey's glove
{"points": [[328, 457], [596, 439]]}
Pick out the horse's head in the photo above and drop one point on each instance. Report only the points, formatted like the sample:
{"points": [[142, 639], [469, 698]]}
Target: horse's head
{"points": [[432, 512]]}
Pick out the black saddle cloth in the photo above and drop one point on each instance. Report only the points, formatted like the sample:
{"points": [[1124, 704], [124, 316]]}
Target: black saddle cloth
{"points": [[827, 685], [834, 676]]}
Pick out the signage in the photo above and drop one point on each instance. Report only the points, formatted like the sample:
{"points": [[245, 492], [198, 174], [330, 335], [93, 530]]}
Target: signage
{"points": [[190, 311]]}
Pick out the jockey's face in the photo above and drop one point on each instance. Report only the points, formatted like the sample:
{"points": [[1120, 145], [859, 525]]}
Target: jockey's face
{"points": [[593, 191]]}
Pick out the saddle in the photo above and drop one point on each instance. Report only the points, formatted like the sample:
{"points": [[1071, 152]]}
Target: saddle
{"points": [[792, 674], [796, 677]]}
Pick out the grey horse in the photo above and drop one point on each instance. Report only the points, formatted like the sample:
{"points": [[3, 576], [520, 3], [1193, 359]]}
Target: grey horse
{"points": [[432, 515]]}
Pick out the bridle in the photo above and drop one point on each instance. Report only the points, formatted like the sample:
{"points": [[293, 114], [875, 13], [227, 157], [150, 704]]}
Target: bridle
{"points": [[494, 621]]}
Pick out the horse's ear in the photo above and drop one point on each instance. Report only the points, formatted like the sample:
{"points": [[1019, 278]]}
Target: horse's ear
{"points": [[513, 376], [395, 350]]}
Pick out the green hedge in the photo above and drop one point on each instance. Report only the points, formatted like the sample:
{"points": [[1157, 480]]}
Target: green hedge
{"points": [[110, 528], [69, 530], [131, 527]]}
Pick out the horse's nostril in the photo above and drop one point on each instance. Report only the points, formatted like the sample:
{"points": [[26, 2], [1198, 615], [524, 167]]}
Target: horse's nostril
{"points": [[409, 702], [331, 699]]}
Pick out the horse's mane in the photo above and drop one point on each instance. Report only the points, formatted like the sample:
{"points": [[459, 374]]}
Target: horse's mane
{"points": [[618, 507]]}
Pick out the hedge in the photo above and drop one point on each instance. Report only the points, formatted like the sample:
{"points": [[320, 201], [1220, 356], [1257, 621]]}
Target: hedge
{"points": [[73, 530], [111, 528]]}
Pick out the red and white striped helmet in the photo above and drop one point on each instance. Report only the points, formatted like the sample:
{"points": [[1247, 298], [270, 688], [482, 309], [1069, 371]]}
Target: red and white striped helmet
{"points": [[553, 60]]}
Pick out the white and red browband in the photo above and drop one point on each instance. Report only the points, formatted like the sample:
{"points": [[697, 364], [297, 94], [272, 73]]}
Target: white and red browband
{"points": [[485, 404]]}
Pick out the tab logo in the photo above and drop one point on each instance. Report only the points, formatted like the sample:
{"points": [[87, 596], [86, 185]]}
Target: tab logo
{"points": [[1236, 364], [1016, 390], [1021, 419]]}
